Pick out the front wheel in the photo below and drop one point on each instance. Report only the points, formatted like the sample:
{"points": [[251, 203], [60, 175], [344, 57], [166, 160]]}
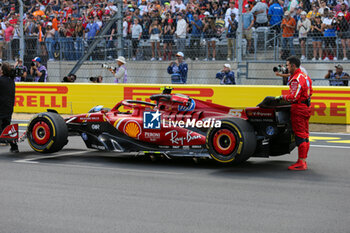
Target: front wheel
{"points": [[234, 141], [47, 132]]}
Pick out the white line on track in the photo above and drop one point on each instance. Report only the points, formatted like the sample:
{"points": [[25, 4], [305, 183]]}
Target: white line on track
{"points": [[325, 133], [34, 161], [324, 146]]}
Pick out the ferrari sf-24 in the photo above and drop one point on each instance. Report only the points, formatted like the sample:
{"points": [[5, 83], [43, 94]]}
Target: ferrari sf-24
{"points": [[172, 125]]}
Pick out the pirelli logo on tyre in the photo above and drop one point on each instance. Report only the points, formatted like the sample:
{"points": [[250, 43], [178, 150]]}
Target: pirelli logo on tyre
{"points": [[41, 96]]}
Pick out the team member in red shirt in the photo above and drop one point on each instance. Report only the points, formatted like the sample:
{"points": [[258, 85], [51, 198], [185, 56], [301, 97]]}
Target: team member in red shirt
{"points": [[300, 91]]}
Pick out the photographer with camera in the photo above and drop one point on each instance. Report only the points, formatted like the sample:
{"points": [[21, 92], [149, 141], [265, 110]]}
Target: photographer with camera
{"points": [[70, 78], [337, 78], [299, 96], [7, 99], [226, 76], [98, 79], [120, 73], [21, 71], [282, 71], [38, 71]]}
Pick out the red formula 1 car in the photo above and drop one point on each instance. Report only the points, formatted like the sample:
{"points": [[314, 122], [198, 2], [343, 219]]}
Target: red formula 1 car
{"points": [[175, 125]]}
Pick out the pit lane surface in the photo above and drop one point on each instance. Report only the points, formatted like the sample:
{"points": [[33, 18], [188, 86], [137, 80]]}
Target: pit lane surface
{"points": [[80, 190]]}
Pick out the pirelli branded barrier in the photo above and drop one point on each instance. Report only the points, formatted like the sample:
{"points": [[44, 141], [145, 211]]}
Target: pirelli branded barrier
{"points": [[329, 104]]}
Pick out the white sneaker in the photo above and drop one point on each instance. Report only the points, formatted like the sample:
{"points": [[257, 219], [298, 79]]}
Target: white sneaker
{"points": [[345, 59], [213, 59], [160, 59], [302, 57], [134, 58], [326, 59], [313, 59], [335, 59], [51, 59], [228, 59], [0, 60], [320, 59], [205, 59], [153, 59]]}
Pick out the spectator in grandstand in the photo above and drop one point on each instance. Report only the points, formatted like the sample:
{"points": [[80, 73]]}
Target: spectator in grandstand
{"points": [[181, 29], [2, 41], [92, 29], [229, 11], [292, 7], [79, 39], [313, 12], [38, 71], [248, 23], [343, 33], [155, 32], [196, 26], [209, 30], [178, 70], [8, 35], [19, 66], [50, 40], [275, 16], [259, 11], [120, 73], [317, 37], [168, 38], [215, 9], [342, 7], [288, 27], [226, 75], [136, 33], [297, 15], [337, 78], [231, 30], [329, 33], [304, 26], [323, 7]]}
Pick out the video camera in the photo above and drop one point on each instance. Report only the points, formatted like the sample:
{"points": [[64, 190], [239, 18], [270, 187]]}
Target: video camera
{"points": [[108, 67], [281, 69]]}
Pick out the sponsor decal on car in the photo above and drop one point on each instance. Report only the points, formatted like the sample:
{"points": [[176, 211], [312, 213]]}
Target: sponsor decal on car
{"points": [[175, 139], [152, 136], [151, 120], [132, 129]]}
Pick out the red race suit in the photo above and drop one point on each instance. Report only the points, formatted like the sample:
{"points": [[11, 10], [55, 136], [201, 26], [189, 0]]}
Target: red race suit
{"points": [[300, 91]]}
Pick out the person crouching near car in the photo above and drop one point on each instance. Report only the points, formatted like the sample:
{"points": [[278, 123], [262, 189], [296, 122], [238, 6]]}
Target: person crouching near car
{"points": [[178, 70], [7, 100], [24, 71], [226, 76], [300, 91], [38, 70]]}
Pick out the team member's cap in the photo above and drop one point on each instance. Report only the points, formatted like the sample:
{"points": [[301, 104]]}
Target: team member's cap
{"points": [[180, 54], [49, 24], [37, 59], [303, 13], [341, 14], [206, 13], [227, 66], [246, 6], [339, 66], [121, 59], [287, 13]]}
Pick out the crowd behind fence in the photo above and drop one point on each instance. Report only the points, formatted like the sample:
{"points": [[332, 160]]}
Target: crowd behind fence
{"points": [[156, 30]]}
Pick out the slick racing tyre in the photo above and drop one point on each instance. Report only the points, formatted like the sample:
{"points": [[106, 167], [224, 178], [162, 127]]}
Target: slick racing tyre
{"points": [[234, 142], [47, 132]]}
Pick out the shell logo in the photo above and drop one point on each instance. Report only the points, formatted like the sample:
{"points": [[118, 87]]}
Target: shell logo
{"points": [[132, 129]]}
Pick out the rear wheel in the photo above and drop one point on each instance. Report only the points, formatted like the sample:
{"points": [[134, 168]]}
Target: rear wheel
{"points": [[47, 132], [234, 142]]}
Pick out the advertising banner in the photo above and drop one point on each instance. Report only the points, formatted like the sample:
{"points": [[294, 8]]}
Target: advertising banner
{"points": [[329, 104]]}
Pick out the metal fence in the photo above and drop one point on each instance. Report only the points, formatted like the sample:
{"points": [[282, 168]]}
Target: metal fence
{"points": [[265, 50]]}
